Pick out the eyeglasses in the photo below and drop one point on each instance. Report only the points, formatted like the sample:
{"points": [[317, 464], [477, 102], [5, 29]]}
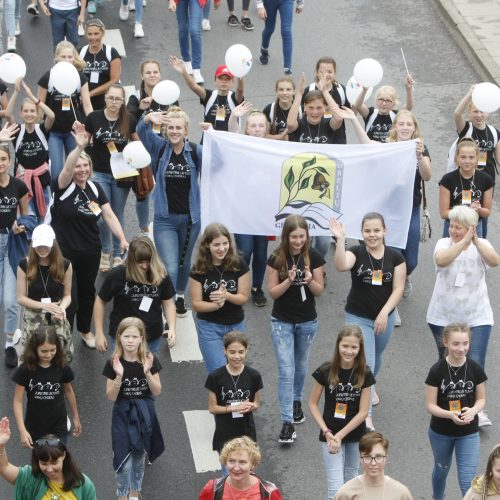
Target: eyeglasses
{"points": [[114, 99], [378, 459], [47, 442], [385, 101]]}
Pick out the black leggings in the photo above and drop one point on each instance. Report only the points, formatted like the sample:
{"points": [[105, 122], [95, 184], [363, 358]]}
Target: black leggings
{"points": [[230, 5]]}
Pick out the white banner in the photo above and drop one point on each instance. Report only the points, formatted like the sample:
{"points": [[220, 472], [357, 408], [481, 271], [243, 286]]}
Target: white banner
{"points": [[251, 184]]}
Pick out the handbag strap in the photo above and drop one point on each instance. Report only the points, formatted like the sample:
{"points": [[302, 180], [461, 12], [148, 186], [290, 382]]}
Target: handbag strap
{"points": [[424, 198]]}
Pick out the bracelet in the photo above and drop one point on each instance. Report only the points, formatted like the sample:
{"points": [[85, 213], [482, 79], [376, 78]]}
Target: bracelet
{"points": [[326, 431]]}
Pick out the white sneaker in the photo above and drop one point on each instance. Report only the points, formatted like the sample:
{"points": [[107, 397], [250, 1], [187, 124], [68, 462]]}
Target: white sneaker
{"points": [[397, 321], [144, 3], [198, 78], [138, 31], [131, 5], [17, 31], [123, 12], [189, 67], [81, 30], [11, 44], [484, 420], [408, 288], [205, 25]]}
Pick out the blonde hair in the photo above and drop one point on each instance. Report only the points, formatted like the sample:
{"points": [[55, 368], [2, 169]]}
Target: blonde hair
{"points": [[242, 443], [388, 90], [261, 114], [392, 137], [125, 324], [26, 101], [176, 112], [463, 215], [78, 62]]}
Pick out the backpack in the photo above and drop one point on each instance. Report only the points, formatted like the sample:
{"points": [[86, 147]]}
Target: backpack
{"points": [[213, 98], [84, 50], [339, 88], [373, 116], [266, 488]]}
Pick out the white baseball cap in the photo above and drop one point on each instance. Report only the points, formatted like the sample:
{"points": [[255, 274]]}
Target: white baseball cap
{"points": [[43, 236]]}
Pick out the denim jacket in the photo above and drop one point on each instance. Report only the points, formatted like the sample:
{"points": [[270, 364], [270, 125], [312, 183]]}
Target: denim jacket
{"points": [[154, 144]]}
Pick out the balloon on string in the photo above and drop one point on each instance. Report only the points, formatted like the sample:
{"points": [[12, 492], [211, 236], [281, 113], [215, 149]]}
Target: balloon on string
{"points": [[238, 60], [368, 72], [65, 78], [166, 92], [136, 155], [486, 97], [12, 67], [353, 89]]}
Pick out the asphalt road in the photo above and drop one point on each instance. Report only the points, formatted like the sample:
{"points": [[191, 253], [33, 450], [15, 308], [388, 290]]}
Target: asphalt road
{"points": [[348, 31]]}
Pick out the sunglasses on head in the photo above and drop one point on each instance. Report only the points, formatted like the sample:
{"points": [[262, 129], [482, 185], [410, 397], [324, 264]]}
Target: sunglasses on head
{"points": [[47, 442]]}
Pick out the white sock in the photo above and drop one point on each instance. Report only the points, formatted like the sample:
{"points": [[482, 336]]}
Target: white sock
{"points": [[179, 296], [9, 340]]}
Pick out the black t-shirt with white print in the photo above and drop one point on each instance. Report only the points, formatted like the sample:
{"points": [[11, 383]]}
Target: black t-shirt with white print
{"points": [[233, 389], [379, 129], [44, 285], [98, 72], [297, 304], [134, 382], [61, 105], [342, 400], [103, 132], [456, 390], [321, 133], [278, 122], [365, 299], [178, 183], [229, 313], [46, 408], [137, 300], [9, 201], [73, 221], [478, 184], [220, 101]]}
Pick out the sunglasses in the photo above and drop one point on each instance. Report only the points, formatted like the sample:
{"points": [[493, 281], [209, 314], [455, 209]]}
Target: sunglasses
{"points": [[41, 443]]}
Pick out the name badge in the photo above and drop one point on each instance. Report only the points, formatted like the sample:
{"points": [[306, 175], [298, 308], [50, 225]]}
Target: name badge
{"points": [[455, 406], [111, 147], [340, 410], [236, 414], [46, 300], [66, 104], [483, 158], [328, 114], [466, 197], [145, 304], [303, 293], [94, 207], [94, 77], [377, 277], [220, 114], [460, 280]]}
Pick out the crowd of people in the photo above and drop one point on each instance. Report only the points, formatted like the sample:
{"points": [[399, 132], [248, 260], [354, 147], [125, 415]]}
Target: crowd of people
{"points": [[62, 223]]}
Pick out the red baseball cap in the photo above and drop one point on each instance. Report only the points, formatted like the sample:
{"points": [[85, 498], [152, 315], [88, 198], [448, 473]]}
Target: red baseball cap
{"points": [[222, 70]]}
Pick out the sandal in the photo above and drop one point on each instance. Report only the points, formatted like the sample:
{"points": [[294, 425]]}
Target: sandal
{"points": [[88, 339], [104, 264]]}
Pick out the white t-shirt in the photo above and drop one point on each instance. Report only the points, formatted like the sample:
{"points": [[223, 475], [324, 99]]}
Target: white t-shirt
{"points": [[64, 4], [460, 294]]}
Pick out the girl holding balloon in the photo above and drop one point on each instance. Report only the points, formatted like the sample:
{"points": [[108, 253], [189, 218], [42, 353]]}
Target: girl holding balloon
{"points": [[69, 105]]}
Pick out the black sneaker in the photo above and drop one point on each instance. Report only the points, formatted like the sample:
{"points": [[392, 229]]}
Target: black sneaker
{"points": [[264, 56], [287, 71], [10, 357], [180, 307], [33, 9], [247, 24], [287, 434], [298, 414], [233, 21], [258, 297]]}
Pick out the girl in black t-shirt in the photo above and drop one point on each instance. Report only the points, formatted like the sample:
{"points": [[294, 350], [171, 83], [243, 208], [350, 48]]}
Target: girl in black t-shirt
{"points": [[277, 111], [67, 109], [44, 287], [233, 393], [132, 380], [46, 379], [466, 186], [346, 380], [454, 395], [219, 284], [377, 274], [295, 278]]}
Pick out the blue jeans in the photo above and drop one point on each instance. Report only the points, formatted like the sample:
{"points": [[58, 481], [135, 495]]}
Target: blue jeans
{"points": [[33, 207], [250, 245], [142, 211], [292, 343], [210, 337], [479, 228], [8, 287], [175, 246], [64, 25], [130, 476], [138, 10], [480, 335], [9, 14], [59, 144], [189, 14], [374, 344], [322, 244], [117, 197], [153, 345], [410, 253], [17, 14], [466, 453], [340, 467], [206, 9], [285, 8]]}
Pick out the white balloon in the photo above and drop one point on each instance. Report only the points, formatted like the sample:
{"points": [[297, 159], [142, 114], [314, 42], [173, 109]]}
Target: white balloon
{"points": [[353, 89], [136, 155], [166, 92], [238, 60], [368, 72], [12, 67], [65, 78], [486, 97]]}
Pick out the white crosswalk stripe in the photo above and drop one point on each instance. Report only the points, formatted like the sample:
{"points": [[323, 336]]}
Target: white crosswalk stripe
{"points": [[186, 347], [114, 38]]}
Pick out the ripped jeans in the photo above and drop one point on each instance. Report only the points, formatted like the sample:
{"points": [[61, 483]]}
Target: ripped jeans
{"points": [[292, 343], [466, 453]]}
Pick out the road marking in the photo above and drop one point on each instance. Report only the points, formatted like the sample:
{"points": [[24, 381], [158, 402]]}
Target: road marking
{"points": [[200, 425], [114, 38], [186, 347], [129, 90]]}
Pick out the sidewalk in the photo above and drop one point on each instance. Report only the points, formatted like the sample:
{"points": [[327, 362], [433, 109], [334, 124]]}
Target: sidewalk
{"points": [[478, 21]]}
